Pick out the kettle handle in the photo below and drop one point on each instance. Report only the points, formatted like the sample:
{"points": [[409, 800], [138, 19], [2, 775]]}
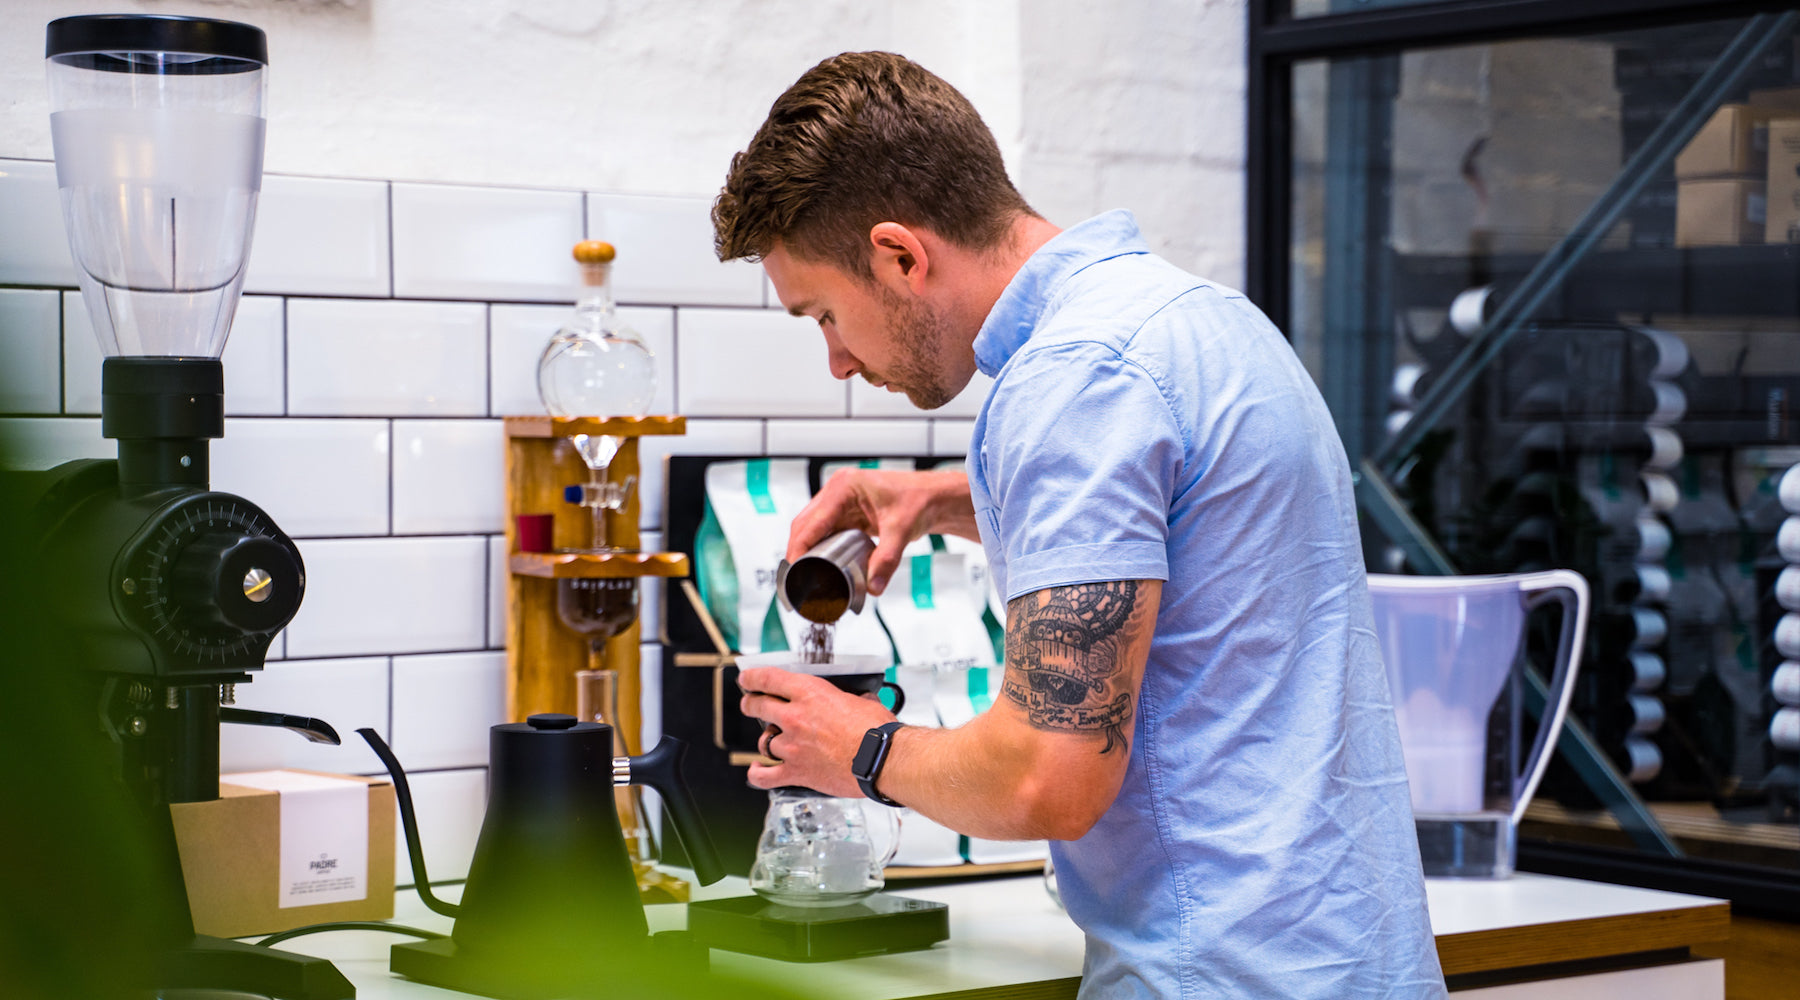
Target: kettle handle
{"points": [[1569, 589], [661, 770]]}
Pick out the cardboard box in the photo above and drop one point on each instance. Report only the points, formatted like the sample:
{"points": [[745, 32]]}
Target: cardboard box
{"points": [[1784, 181], [256, 859], [1734, 142], [1721, 212], [1781, 99]]}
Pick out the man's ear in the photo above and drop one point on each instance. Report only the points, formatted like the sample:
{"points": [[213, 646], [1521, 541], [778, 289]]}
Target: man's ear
{"points": [[898, 257]]}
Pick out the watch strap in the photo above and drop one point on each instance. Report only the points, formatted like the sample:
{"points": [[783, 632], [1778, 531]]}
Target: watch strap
{"points": [[876, 742]]}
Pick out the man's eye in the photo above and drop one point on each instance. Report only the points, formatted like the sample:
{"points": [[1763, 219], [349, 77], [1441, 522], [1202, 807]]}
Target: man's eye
{"points": [[824, 318]]}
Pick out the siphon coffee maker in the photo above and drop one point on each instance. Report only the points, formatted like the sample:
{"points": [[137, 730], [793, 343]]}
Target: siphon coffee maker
{"points": [[170, 591], [595, 366]]}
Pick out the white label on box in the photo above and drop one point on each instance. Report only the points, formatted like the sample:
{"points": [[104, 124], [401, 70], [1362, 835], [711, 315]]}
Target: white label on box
{"points": [[324, 836]]}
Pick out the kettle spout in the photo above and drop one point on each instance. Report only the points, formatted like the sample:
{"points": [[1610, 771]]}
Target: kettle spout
{"points": [[403, 798]]}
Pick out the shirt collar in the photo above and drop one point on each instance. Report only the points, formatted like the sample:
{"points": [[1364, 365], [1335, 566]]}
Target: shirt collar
{"points": [[1021, 307]]}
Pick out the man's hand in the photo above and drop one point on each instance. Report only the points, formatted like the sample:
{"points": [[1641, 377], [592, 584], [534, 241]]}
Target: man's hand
{"points": [[894, 507], [816, 729]]}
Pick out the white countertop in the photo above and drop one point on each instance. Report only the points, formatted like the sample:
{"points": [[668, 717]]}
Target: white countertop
{"points": [[1005, 932], [1463, 906]]}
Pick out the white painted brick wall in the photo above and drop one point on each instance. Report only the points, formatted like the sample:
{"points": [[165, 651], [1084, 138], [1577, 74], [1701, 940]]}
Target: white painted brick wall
{"points": [[391, 318]]}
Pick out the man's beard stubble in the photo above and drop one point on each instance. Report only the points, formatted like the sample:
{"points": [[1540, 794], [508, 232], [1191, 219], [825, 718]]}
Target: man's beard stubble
{"points": [[917, 332]]}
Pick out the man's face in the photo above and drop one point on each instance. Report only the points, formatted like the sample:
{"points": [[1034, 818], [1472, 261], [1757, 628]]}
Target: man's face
{"points": [[896, 343]]}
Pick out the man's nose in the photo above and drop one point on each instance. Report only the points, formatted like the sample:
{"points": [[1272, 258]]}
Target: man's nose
{"points": [[843, 364]]}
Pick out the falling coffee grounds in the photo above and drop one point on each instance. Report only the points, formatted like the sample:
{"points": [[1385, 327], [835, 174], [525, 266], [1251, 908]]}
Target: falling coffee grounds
{"points": [[815, 645]]}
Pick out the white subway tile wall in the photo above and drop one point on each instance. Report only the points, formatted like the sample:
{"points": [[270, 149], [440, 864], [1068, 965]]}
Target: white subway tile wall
{"points": [[255, 372], [316, 236], [364, 382], [444, 481], [755, 363], [316, 478], [861, 438], [484, 243], [666, 254], [43, 442], [950, 438], [31, 378], [404, 595], [516, 342], [443, 707], [496, 609], [34, 251], [361, 358]]}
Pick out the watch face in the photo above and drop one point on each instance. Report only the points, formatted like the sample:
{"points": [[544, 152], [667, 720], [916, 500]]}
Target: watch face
{"points": [[864, 761]]}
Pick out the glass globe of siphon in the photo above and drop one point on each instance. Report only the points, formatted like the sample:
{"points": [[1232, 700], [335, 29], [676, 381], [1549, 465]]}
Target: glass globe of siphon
{"points": [[595, 366]]}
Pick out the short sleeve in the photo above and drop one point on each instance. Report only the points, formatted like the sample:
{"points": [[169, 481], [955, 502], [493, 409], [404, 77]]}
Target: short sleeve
{"points": [[1081, 454]]}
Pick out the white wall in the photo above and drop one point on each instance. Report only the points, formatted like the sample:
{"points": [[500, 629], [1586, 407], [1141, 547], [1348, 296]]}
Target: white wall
{"points": [[1097, 105], [430, 162]]}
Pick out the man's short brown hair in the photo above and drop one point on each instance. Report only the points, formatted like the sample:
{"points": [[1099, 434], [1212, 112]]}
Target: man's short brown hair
{"points": [[864, 138]]}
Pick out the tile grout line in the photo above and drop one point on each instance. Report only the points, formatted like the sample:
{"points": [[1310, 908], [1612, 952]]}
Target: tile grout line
{"points": [[62, 353], [390, 240], [285, 338]]}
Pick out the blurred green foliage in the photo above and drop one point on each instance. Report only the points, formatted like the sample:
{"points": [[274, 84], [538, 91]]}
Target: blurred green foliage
{"points": [[83, 902]]}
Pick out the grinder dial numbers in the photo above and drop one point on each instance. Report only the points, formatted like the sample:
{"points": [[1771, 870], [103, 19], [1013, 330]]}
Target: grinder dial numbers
{"points": [[212, 579]]}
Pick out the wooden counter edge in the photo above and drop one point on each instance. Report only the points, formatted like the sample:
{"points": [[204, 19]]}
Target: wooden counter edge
{"points": [[1046, 989], [1573, 940]]}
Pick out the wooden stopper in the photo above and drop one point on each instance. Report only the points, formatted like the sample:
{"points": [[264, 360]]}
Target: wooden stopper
{"points": [[594, 252]]}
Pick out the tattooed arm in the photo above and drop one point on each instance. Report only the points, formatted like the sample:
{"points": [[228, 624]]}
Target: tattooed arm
{"points": [[1046, 760], [1066, 663]]}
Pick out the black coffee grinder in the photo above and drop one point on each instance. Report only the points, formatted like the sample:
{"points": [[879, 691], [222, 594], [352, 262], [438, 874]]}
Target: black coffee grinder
{"points": [[168, 592]]}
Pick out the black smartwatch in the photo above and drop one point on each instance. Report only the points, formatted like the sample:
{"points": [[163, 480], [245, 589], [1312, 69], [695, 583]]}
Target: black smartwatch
{"points": [[866, 765]]}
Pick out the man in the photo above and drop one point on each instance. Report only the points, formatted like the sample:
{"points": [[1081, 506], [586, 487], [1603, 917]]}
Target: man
{"points": [[1195, 709]]}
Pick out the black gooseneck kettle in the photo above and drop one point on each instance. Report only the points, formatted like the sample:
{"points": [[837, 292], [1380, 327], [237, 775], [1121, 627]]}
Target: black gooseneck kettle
{"points": [[551, 901]]}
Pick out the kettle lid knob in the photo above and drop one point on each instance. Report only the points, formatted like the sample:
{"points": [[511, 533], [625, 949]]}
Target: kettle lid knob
{"points": [[552, 720]]}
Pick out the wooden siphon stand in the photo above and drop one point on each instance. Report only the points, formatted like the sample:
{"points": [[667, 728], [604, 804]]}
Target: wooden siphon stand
{"points": [[542, 655]]}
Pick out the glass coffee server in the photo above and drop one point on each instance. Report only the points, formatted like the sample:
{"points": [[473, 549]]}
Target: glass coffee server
{"points": [[1543, 259]]}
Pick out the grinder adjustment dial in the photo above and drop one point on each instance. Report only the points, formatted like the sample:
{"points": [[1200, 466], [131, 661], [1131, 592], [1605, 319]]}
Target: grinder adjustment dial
{"points": [[212, 579]]}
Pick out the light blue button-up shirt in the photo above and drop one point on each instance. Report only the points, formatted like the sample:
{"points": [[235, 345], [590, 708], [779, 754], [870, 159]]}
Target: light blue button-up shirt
{"points": [[1147, 424]]}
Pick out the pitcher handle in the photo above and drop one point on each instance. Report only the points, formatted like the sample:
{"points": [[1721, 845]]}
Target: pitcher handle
{"points": [[1569, 589], [893, 825]]}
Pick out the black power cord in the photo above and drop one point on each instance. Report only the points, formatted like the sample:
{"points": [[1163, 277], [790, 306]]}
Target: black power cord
{"points": [[348, 925]]}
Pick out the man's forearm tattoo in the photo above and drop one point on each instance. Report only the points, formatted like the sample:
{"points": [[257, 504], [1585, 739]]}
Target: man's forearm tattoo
{"points": [[1065, 648]]}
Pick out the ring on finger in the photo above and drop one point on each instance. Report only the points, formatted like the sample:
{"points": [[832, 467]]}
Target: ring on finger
{"points": [[769, 734]]}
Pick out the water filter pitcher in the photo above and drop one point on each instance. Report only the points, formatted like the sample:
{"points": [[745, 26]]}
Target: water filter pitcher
{"points": [[1451, 645]]}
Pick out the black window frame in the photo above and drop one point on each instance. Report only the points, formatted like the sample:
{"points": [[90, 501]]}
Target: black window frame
{"points": [[1277, 41]]}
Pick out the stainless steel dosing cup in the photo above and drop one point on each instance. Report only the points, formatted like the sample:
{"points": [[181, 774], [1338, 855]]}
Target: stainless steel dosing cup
{"points": [[830, 579]]}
